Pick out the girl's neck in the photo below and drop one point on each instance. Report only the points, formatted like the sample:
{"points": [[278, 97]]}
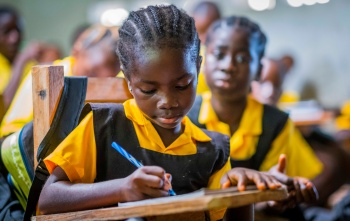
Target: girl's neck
{"points": [[229, 112], [168, 136]]}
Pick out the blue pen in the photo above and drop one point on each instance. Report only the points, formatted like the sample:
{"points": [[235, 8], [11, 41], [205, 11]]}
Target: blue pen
{"points": [[125, 154]]}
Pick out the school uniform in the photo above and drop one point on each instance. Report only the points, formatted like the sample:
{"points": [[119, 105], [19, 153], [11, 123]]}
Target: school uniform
{"points": [[20, 111], [301, 160], [196, 159]]}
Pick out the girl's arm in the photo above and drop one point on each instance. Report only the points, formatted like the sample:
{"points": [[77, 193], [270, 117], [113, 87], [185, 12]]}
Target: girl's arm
{"points": [[30, 53], [60, 195]]}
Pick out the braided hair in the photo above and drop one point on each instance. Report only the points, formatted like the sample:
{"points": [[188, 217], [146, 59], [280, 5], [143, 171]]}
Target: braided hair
{"points": [[155, 27], [257, 37], [95, 36]]}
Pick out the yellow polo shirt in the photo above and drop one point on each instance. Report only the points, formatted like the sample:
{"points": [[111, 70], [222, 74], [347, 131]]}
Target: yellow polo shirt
{"points": [[5, 73], [301, 160], [20, 111], [76, 155]]}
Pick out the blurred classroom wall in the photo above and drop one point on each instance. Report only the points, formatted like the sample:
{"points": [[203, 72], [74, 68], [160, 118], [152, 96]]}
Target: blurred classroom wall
{"points": [[316, 36]]}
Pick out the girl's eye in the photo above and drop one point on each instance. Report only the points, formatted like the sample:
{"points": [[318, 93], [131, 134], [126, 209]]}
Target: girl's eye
{"points": [[242, 59], [148, 91], [181, 88], [218, 54]]}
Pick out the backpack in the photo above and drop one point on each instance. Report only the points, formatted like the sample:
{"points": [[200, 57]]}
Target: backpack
{"points": [[18, 148]]}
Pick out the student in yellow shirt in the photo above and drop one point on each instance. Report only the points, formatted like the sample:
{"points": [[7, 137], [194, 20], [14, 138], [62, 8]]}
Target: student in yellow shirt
{"points": [[204, 14], [268, 88], [13, 64], [258, 133], [92, 56], [334, 158], [159, 54]]}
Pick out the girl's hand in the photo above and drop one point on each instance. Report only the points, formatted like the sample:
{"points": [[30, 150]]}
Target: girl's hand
{"points": [[146, 182], [31, 52], [305, 190], [300, 190], [241, 177]]}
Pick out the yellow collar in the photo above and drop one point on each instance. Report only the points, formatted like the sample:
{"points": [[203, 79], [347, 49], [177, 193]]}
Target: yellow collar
{"points": [[133, 113], [251, 122]]}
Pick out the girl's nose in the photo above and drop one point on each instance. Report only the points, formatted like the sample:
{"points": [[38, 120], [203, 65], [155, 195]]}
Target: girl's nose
{"points": [[14, 36], [228, 64], [167, 101]]}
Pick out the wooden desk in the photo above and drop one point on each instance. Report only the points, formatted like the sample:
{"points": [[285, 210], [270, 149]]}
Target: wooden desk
{"points": [[191, 205], [324, 118]]}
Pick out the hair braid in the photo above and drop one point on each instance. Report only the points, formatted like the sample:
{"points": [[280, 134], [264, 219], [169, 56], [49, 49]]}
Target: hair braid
{"points": [[257, 37], [176, 18], [155, 27], [154, 13]]}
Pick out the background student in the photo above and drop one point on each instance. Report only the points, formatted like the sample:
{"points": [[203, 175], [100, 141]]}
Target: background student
{"points": [[204, 14], [259, 134], [13, 63], [334, 158]]}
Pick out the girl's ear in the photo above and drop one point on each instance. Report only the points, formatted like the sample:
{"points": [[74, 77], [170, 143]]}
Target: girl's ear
{"points": [[129, 86]]}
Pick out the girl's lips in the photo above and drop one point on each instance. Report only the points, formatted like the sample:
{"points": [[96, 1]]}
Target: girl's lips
{"points": [[223, 83], [168, 120]]}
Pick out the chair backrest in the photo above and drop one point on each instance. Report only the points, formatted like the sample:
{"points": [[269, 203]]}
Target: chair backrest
{"points": [[48, 83]]}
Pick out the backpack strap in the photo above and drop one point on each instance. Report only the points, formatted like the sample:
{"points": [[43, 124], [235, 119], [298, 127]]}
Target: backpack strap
{"points": [[65, 120], [273, 122], [193, 114], [108, 118]]}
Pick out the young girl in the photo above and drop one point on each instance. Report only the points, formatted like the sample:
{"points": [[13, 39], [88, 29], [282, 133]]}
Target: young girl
{"points": [[259, 134], [159, 54]]}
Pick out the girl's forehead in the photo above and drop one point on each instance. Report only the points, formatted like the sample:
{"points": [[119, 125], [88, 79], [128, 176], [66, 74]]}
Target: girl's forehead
{"points": [[157, 63], [156, 55], [229, 34]]}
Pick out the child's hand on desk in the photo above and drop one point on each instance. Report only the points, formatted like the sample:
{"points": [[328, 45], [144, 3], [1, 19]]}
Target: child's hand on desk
{"points": [[146, 182], [299, 189], [241, 177]]}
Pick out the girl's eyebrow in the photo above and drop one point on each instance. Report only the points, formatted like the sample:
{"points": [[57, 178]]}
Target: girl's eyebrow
{"points": [[183, 76], [154, 82], [225, 47], [221, 47]]}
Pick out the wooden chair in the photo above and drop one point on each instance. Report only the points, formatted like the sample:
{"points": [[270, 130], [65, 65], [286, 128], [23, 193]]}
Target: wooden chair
{"points": [[48, 84], [47, 87]]}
